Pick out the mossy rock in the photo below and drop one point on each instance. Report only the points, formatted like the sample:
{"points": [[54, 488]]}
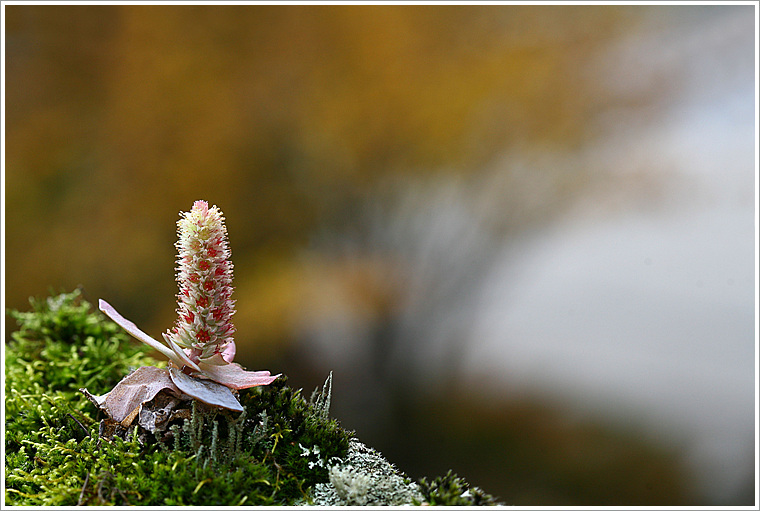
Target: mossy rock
{"points": [[282, 450]]}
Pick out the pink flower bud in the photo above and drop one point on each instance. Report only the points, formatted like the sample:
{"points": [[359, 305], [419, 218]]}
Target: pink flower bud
{"points": [[204, 275]]}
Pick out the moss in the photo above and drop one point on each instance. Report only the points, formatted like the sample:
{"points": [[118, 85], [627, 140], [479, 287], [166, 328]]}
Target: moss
{"points": [[60, 450], [57, 454], [452, 490]]}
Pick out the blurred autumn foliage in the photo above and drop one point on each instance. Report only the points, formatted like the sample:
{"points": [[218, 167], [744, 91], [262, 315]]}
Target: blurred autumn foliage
{"points": [[288, 118], [118, 117]]}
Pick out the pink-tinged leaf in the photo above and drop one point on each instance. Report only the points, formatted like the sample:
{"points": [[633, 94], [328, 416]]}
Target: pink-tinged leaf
{"points": [[135, 332], [234, 376], [181, 354], [207, 391], [132, 391], [216, 359], [228, 353]]}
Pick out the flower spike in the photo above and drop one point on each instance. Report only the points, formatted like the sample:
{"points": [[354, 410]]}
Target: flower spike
{"points": [[201, 344], [204, 275]]}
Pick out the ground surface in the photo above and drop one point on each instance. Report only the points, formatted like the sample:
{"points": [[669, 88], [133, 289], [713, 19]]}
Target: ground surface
{"points": [[282, 449]]}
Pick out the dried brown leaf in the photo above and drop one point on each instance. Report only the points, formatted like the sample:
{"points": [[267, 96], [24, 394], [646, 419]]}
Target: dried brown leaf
{"points": [[123, 402]]}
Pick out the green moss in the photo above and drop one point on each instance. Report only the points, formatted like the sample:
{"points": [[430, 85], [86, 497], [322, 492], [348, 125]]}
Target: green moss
{"points": [[452, 490], [60, 451], [56, 456]]}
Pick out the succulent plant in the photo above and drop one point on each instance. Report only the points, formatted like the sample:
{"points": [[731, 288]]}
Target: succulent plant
{"points": [[200, 346]]}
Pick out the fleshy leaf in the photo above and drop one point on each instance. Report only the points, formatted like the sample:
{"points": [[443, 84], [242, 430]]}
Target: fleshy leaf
{"points": [[135, 332], [207, 391], [228, 353], [216, 359], [123, 402], [234, 376], [181, 353]]}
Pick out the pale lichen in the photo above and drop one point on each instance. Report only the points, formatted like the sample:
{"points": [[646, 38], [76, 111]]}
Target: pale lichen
{"points": [[365, 478]]}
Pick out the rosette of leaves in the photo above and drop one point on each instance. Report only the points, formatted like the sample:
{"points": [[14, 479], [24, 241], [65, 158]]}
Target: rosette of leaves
{"points": [[200, 346]]}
